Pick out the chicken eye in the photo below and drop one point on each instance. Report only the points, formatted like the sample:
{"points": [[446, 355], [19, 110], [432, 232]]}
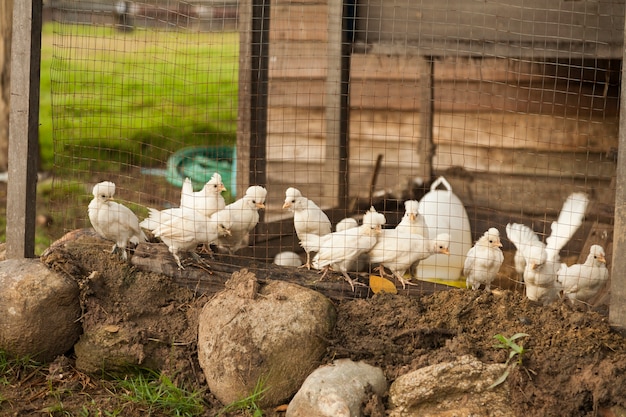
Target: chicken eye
{"points": [[293, 201]]}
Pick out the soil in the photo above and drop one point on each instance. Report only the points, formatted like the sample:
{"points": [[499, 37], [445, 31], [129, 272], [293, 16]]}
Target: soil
{"points": [[572, 353], [574, 364]]}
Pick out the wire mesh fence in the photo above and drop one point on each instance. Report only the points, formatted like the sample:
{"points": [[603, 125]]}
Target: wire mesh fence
{"points": [[514, 106]]}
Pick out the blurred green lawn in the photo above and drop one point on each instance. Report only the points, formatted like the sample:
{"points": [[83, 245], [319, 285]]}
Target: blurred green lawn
{"points": [[111, 101], [131, 99]]}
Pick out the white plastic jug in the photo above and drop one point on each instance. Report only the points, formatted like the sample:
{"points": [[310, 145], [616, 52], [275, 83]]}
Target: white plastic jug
{"points": [[444, 213]]}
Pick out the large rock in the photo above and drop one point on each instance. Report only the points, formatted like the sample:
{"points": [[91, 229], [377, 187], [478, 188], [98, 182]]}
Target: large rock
{"points": [[273, 334], [338, 390], [459, 388], [39, 310]]}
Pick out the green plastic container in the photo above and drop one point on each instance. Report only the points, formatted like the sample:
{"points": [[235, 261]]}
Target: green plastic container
{"points": [[200, 163]]}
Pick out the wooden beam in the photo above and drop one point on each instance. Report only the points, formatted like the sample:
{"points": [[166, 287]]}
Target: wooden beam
{"points": [[336, 117], [24, 129], [258, 90], [244, 98], [617, 309], [425, 147]]}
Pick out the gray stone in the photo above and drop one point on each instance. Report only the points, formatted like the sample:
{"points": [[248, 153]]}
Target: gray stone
{"points": [[448, 389], [337, 390], [274, 337], [39, 310]]}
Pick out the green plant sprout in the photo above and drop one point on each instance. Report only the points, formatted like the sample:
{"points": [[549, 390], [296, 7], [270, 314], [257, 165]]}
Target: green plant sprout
{"points": [[515, 351]]}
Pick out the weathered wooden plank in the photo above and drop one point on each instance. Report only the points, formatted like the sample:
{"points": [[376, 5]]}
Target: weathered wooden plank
{"points": [[480, 129], [443, 48], [557, 164], [617, 312], [524, 194], [288, 2], [515, 70], [299, 22], [209, 275], [23, 129], [564, 97], [298, 59], [296, 92], [367, 67], [296, 121], [462, 28], [385, 66], [560, 98], [244, 102], [528, 131]]}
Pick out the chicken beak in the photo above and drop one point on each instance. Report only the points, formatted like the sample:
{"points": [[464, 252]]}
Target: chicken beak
{"points": [[221, 188], [601, 258], [445, 251], [260, 205], [533, 266], [498, 244], [412, 216], [227, 232], [286, 205]]}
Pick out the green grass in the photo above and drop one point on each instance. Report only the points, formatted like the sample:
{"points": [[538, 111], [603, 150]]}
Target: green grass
{"points": [[157, 392], [111, 100], [248, 405]]}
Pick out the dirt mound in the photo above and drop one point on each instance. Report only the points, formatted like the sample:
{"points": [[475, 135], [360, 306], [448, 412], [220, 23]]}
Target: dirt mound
{"points": [[574, 366]]}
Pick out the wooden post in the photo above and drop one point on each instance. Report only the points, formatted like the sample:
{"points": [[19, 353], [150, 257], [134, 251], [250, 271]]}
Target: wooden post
{"points": [[259, 60], [336, 116], [243, 121], [24, 128], [254, 22], [425, 146], [617, 308]]}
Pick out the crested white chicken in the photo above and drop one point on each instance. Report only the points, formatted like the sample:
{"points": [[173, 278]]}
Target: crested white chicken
{"points": [[206, 201], [543, 261], [113, 221], [184, 229], [413, 222], [340, 249], [308, 219], [244, 215], [483, 260], [582, 281], [397, 250]]}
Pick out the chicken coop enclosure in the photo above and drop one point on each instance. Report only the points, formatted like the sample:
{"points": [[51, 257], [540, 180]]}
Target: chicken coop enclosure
{"points": [[354, 103]]}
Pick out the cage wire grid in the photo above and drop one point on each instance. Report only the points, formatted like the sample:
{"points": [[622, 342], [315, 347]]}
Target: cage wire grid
{"points": [[514, 104]]}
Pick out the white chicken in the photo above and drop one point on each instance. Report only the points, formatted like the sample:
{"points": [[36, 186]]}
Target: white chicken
{"points": [[308, 219], [206, 201], [113, 221], [398, 250], [341, 249], [244, 215], [543, 261], [413, 222], [580, 282], [483, 260], [184, 229]]}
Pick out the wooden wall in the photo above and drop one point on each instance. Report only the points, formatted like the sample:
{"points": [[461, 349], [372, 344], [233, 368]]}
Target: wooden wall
{"points": [[511, 134]]}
